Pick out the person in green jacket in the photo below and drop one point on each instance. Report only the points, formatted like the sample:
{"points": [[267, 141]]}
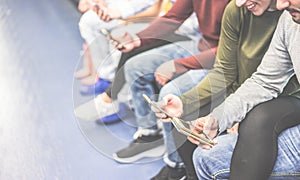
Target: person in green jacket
{"points": [[247, 29]]}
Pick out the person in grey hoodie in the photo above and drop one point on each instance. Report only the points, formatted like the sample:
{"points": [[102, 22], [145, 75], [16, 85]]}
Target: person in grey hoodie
{"points": [[268, 142]]}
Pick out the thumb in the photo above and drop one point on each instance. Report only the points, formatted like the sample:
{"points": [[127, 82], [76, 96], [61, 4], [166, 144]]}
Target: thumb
{"points": [[163, 102]]}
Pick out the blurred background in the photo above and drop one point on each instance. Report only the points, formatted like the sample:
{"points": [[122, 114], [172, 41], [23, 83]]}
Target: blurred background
{"points": [[40, 138]]}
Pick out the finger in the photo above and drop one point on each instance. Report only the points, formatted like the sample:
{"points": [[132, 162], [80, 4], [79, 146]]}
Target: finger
{"points": [[166, 119], [162, 81], [162, 103], [169, 99], [161, 115], [162, 77], [197, 130], [120, 46], [96, 8], [106, 18], [204, 146], [192, 140], [199, 125], [158, 78]]}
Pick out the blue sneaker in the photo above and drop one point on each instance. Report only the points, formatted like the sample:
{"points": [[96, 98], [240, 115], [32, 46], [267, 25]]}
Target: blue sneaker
{"points": [[116, 116], [95, 89]]}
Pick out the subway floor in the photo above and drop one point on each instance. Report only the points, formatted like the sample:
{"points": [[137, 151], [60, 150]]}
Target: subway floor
{"points": [[40, 138]]}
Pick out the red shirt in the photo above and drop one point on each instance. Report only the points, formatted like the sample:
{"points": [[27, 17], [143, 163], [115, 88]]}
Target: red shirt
{"points": [[209, 14]]}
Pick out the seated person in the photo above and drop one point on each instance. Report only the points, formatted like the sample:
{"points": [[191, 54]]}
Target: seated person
{"points": [[167, 25], [99, 59], [139, 73], [231, 47], [259, 152], [255, 144]]}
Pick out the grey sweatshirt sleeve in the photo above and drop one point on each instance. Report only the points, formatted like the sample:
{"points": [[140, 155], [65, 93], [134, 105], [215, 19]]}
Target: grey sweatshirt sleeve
{"points": [[266, 83]]}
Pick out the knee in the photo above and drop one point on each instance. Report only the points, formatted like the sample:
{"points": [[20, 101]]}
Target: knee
{"points": [[129, 69], [260, 118], [133, 69], [166, 89], [202, 160], [87, 20]]}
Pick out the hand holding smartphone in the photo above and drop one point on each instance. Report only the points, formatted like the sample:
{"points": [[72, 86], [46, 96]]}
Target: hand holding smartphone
{"points": [[111, 38], [181, 125]]}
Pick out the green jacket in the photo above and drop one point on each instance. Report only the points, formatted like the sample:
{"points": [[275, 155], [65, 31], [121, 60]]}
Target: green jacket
{"points": [[243, 42]]}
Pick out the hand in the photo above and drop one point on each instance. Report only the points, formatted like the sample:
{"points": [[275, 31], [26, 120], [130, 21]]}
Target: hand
{"points": [[206, 125], [128, 41], [234, 129], [165, 72], [84, 5], [171, 104], [102, 12]]}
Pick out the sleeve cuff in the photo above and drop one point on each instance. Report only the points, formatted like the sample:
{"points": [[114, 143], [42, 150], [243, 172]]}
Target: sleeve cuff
{"points": [[218, 117]]}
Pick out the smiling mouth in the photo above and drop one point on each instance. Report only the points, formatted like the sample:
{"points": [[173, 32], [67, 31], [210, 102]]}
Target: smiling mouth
{"points": [[292, 10], [251, 6]]}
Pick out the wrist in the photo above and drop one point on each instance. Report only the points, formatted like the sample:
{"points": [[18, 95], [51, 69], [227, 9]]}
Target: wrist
{"points": [[211, 127], [136, 40]]}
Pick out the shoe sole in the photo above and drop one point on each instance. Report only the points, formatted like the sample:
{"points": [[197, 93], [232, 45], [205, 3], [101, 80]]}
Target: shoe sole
{"points": [[183, 178], [152, 153], [92, 115], [108, 119]]}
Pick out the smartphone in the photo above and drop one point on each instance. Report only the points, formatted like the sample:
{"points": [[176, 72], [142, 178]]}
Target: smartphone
{"points": [[180, 125], [110, 37]]}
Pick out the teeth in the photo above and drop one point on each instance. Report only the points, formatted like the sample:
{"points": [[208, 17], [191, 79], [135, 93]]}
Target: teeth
{"points": [[251, 5]]}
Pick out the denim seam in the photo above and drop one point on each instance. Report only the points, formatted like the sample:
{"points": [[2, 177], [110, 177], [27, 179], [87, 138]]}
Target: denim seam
{"points": [[285, 174], [214, 176], [276, 174]]}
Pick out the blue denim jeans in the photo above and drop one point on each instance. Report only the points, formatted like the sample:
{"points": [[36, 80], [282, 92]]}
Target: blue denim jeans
{"points": [[215, 163], [139, 74]]}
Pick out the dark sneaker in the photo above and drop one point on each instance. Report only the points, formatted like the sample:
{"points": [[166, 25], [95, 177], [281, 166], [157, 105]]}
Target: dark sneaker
{"points": [[142, 147], [169, 173]]}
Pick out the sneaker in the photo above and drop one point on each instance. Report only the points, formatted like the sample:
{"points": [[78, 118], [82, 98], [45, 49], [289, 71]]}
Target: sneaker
{"points": [[122, 113], [98, 88], [142, 147], [169, 173], [95, 109]]}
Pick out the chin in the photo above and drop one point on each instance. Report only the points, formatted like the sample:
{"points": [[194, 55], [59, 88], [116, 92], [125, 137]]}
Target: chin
{"points": [[296, 20], [258, 12]]}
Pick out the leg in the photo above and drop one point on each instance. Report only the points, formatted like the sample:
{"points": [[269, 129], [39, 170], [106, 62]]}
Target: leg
{"points": [[140, 77], [87, 63], [184, 147], [89, 27], [287, 164], [105, 102], [256, 151], [119, 79], [215, 163], [178, 86]]}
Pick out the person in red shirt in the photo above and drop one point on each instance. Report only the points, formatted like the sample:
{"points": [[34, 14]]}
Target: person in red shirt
{"points": [[161, 32]]}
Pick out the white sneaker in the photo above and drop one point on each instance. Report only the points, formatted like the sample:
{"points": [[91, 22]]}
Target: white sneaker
{"points": [[96, 109]]}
